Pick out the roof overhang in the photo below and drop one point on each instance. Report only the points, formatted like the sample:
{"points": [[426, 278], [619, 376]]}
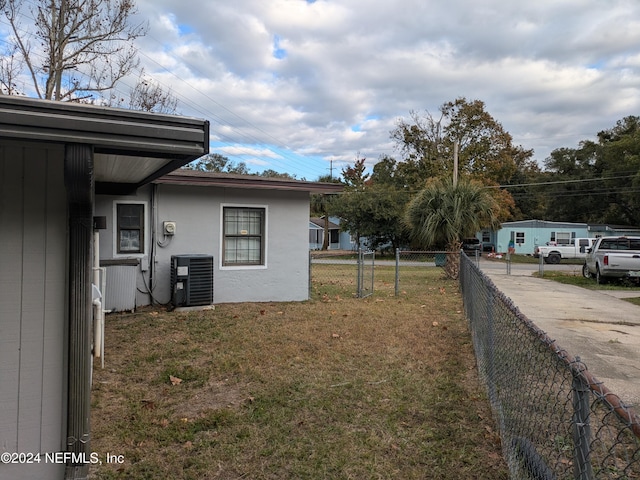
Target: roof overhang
{"points": [[130, 148], [226, 180]]}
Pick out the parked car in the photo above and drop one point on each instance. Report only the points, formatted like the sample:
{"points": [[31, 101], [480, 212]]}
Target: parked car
{"points": [[553, 253], [613, 257], [488, 247], [471, 245]]}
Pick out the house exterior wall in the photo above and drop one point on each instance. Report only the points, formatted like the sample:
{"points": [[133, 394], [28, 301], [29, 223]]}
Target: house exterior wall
{"points": [[105, 206], [33, 306], [534, 233], [197, 211]]}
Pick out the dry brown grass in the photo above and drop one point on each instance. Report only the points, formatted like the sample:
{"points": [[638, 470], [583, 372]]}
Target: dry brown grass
{"points": [[335, 387]]}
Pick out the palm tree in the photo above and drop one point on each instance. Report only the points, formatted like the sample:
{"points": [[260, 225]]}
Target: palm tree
{"points": [[443, 213]]}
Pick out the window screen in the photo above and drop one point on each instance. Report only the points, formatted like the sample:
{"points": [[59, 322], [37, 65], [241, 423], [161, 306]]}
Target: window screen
{"points": [[243, 236]]}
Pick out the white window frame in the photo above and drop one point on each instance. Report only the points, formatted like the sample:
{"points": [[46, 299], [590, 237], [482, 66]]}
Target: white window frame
{"points": [[146, 229], [265, 247]]}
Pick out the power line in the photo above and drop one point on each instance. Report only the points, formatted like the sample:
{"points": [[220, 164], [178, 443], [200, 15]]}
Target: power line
{"points": [[558, 182]]}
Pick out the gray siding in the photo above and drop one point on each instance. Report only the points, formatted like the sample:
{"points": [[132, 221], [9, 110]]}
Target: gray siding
{"points": [[32, 306]]}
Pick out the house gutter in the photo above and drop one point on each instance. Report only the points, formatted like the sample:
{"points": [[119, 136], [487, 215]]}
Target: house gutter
{"points": [[79, 182]]}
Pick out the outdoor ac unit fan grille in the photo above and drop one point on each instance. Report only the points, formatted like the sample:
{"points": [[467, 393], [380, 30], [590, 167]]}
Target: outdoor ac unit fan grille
{"points": [[201, 281]]}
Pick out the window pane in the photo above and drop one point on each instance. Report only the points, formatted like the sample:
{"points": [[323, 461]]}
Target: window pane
{"points": [[564, 238], [130, 241], [243, 251], [130, 216]]}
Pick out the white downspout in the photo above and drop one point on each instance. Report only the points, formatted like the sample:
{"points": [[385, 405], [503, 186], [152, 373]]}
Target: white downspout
{"points": [[98, 312]]}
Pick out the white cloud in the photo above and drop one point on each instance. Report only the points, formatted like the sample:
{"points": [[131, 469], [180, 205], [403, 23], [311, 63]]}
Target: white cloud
{"points": [[552, 72], [243, 150]]}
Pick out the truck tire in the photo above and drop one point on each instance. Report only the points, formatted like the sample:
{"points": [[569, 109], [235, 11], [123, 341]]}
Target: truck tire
{"points": [[600, 280], [554, 258], [585, 271]]}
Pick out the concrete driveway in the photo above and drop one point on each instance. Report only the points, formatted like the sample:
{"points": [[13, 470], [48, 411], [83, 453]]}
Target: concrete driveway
{"points": [[597, 326]]}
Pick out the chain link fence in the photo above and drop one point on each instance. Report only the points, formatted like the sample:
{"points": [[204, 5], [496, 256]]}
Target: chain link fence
{"points": [[366, 269], [341, 274], [409, 262], [556, 420]]}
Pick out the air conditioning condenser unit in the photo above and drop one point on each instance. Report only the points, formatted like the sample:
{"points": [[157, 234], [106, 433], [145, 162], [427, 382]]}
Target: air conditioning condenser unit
{"points": [[191, 280]]}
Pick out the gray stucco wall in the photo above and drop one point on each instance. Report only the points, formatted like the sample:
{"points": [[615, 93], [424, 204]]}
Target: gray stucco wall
{"points": [[197, 213], [33, 272], [105, 206]]}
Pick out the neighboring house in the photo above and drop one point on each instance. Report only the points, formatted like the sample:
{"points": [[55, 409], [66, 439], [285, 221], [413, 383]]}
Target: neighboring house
{"points": [[604, 230], [316, 234], [54, 158], [338, 240], [255, 228], [346, 241], [524, 235]]}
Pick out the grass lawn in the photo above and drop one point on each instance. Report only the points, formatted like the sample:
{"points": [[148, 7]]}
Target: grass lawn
{"points": [[335, 388], [519, 258], [578, 280]]}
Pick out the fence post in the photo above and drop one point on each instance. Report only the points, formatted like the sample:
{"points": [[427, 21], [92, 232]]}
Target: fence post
{"points": [[373, 268], [359, 281], [397, 284], [581, 428], [508, 263]]}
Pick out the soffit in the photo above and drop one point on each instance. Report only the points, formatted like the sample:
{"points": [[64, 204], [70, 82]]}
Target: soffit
{"points": [[130, 148]]}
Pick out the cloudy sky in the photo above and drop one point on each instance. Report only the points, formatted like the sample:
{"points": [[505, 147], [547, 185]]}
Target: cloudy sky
{"points": [[295, 85]]}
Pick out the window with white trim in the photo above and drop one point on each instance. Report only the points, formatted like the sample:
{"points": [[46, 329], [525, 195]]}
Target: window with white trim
{"points": [[243, 236], [564, 238], [130, 223]]}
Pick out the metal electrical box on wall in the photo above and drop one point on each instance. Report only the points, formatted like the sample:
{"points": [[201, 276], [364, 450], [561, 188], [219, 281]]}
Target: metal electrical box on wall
{"points": [[169, 228]]}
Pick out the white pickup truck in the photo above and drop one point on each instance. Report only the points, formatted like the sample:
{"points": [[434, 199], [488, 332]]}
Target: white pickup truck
{"points": [[613, 257], [554, 253]]}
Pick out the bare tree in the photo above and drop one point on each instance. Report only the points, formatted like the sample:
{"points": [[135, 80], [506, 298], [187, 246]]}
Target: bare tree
{"points": [[10, 67], [74, 50], [149, 96]]}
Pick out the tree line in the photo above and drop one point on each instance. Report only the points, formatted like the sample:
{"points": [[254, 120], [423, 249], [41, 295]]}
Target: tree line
{"points": [[596, 182]]}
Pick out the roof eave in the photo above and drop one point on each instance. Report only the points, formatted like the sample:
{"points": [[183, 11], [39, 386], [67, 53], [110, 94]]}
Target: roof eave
{"points": [[248, 181]]}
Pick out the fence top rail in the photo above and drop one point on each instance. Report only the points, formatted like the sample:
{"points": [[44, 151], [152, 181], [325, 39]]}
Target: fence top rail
{"points": [[329, 253], [422, 252], [577, 367]]}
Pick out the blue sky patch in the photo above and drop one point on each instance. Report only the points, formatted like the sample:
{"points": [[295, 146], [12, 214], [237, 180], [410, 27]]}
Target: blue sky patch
{"points": [[185, 29], [278, 52]]}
